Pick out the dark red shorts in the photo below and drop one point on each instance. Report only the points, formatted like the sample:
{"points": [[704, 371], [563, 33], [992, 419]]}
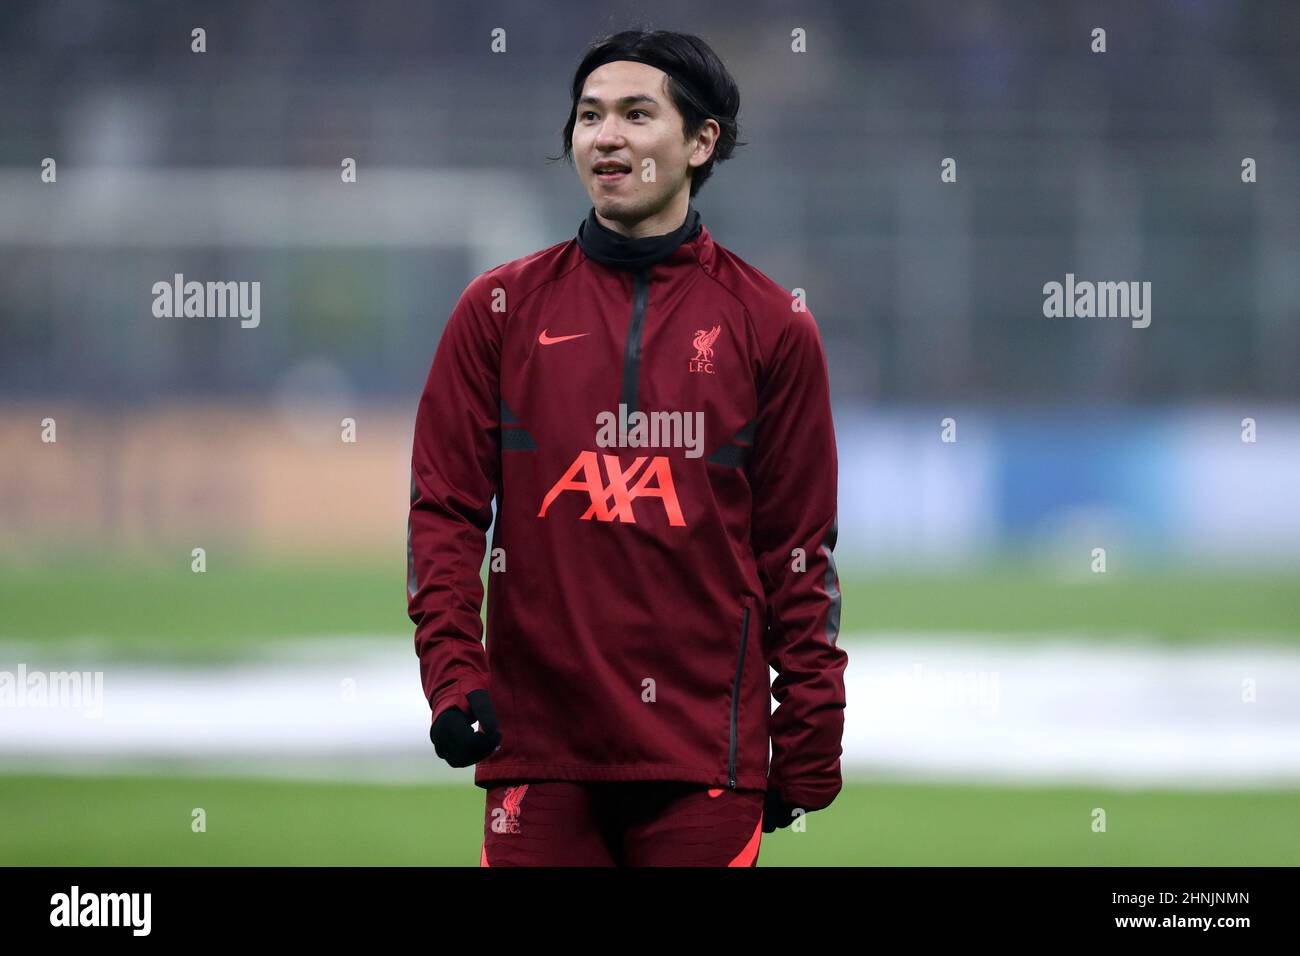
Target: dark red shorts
{"points": [[637, 823]]}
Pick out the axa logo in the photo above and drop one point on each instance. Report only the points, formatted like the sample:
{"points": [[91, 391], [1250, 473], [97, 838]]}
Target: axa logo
{"points": [[703, 342], [611, 500]]}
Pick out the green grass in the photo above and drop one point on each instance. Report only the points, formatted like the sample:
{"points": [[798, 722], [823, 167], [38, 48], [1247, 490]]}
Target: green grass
{"points": [[143, 821], [132, 609], [139, 610]]}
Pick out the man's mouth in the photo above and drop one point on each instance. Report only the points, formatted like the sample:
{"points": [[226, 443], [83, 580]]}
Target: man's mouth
{"points": [[610, 172]]}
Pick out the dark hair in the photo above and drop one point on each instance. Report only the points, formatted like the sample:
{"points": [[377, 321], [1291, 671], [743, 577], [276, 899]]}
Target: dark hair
{"points": [[698, 84]]}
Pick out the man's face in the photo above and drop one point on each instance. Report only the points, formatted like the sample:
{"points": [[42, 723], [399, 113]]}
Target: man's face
{"points": [[626, 121]]}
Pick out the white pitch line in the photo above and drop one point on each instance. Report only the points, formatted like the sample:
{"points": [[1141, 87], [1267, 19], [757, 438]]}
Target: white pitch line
{"points": [[950, 708], [1073, 711]]}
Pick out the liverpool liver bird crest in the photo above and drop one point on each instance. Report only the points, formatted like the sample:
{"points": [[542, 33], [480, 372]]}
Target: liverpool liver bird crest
{"points": [[704, 343]]}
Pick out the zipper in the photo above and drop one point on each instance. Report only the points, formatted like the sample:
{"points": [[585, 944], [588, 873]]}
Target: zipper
{"points": [[632, 348], [735, 700]]}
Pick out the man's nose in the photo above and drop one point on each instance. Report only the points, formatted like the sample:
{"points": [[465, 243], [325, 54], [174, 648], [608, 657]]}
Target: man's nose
{"points": [[610, 133]]}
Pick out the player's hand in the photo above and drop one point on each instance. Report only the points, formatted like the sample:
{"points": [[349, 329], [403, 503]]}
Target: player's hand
{"points": [[776, 812], [454, 738]]}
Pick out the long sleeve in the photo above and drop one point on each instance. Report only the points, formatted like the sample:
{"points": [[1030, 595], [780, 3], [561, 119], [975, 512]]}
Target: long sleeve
{"points": [[455, 472], [794, 479]]}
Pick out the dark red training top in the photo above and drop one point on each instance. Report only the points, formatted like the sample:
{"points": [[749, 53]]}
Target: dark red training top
{"points": [[637, 592]]}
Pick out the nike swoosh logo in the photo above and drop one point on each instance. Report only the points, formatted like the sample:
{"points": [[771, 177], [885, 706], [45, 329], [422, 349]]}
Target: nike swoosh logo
{"points": [[548, 340]]}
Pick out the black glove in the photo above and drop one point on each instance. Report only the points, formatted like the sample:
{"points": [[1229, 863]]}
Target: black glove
{"points": [[776, 812], [454, 738]]}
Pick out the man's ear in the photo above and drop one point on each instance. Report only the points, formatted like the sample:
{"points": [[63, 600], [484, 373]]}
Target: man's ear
{"points": [[712, 125]]}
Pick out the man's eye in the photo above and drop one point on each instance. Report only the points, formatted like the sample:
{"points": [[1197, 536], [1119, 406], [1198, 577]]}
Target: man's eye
{"points": [[586, 113]]}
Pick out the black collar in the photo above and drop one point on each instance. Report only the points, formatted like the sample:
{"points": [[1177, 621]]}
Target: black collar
{"points": [[609, 247]]}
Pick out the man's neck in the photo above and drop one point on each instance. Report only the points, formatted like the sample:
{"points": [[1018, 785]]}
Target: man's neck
{"points": [[661, 223]]}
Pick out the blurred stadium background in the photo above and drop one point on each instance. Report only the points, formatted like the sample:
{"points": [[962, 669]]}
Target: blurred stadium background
{"points": [[1000, 690]]}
